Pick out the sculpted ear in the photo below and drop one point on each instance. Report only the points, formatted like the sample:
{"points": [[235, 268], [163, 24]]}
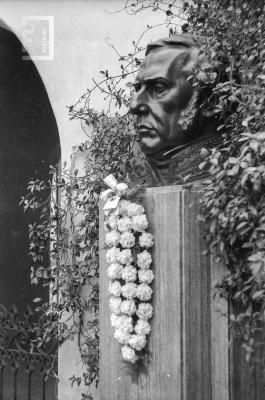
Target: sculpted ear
{"points": [[187, 115], [205, 78]]}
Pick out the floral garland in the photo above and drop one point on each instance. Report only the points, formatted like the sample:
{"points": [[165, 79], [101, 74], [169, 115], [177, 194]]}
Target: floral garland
{"points": [[129, 270]]}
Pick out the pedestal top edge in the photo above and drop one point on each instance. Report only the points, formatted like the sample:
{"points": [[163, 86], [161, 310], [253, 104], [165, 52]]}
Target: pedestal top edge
{"points": [[174, 188]]}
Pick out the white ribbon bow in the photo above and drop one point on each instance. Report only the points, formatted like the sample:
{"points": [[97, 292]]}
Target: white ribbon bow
{"points": [[112, 196]]}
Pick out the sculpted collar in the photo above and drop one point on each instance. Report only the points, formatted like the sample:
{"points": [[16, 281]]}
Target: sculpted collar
{"points": [[173, 165]]}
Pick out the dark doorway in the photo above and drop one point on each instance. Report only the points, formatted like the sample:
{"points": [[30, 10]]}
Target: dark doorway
{"points": [[29, 144]]}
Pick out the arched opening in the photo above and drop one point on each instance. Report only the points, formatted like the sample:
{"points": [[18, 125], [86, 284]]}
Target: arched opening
{"points": [[29, 144]]}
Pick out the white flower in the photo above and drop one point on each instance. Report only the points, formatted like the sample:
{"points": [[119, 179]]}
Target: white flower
{"points": [[146, 240], [125, 256], [112, 238], [144, 311], [112, 255], [129, 273], [128, 307], [142, 327], [115, 288], [137, 342], [134, 209], [111, 181], [139, 223], [114, 320], [127, 239], [129, 290], [145, 276], [121, 336], [122, 188], [115, 271], [112, 220], [123, 204], [131, 218], [144, 292], [115, 304], [129, 354], [124, 323], [144, 259], [124, 224]]}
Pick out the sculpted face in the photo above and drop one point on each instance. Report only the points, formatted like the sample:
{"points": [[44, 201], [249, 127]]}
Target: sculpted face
{"points": [[162, 93]]}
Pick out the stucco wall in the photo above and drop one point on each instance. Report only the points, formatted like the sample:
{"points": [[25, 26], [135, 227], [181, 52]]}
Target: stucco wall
{"points": [[80, 50]]}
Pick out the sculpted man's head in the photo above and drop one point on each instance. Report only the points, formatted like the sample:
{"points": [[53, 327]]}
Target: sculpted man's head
{"points": [[163, 93]]}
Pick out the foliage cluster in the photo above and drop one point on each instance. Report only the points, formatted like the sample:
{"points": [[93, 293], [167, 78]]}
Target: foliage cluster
{"points": [[233, 203], [69, 231]]}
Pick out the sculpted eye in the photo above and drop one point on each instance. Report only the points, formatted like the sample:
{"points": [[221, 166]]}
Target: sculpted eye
{"points": [[159, 89]]}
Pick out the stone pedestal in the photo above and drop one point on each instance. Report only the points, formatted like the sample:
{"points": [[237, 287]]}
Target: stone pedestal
{"points": [[189, 338]]}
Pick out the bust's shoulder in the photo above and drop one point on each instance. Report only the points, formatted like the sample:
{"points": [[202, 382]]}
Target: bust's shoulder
{"points": [[186, 161]]}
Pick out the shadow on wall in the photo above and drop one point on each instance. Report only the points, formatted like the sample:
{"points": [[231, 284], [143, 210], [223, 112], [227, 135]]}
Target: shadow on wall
{"points": [[29, 143]]}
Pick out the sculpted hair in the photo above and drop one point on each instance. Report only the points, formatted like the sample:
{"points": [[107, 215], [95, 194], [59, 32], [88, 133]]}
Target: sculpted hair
{"points": [[185, 42], [174, 41]]}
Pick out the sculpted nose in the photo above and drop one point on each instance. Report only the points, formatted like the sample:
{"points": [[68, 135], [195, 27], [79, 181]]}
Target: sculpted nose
{"points": [[138, 107]]}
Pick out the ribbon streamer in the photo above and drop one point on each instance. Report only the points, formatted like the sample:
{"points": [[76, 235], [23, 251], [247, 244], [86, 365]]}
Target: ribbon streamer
{"points": [[112, 196]]}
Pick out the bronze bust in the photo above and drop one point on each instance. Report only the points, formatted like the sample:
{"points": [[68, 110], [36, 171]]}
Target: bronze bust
{"points": [[169, 121]]}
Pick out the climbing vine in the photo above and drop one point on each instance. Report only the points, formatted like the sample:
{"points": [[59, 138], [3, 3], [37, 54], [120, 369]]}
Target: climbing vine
{"points": [[69, 231], [233, 34]]}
